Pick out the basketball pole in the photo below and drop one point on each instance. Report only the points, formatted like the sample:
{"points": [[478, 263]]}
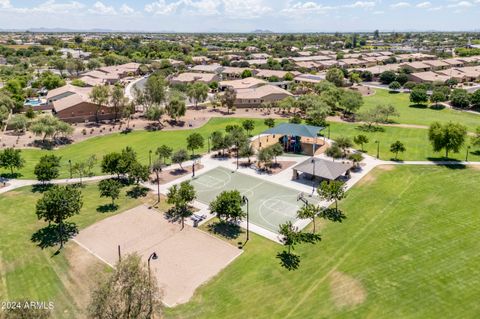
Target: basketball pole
{"points": [[119, 254]]}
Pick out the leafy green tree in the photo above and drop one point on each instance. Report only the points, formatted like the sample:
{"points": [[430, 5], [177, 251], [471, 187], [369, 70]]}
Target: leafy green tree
{"points": [[155, 113], [157, 167], [387, 77], [332, 191], [290, 235], [179, 157], [118, 100], [164, 152], [58, 204], [269, 122], [248, 125], [401, 78], [344, 143], [228, 99], [409, 85], [361, 140], [335, 76], [350, 101], [11, 159], [246, 73], [197, 92], [449, 136], [195, 141], [334, 151], [181, 196], [176, 107], [47, 168], [99, 95], [394, 86], [228, 205], [19, 123], [309, 211], [397, 147], [155, 91], [460, 98], [437, 97], [475, 99], [110, 188], [418, 95], [265, 156], [276, 150], [138, 172], [129, 291], [476, 137], [386, 111], [111, 163]]}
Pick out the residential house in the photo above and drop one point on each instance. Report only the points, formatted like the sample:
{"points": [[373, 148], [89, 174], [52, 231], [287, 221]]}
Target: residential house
{"points": [[416, 67], [247, 83], [254, 97], [192, 77], [430, 77]]}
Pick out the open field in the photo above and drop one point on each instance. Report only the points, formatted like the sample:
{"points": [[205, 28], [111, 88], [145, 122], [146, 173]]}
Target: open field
{"points": [[419, 116], [408, 249], [29, 273]]}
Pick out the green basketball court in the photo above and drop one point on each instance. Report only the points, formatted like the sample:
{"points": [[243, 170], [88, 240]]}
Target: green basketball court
{"points": [[270, 204]]}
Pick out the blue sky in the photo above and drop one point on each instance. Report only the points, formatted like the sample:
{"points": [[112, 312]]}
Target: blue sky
{"points": [[242, 15]]}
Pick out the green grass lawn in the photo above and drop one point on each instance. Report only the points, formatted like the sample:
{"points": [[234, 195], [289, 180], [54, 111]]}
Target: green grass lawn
{"points": [[419, 116], [141, 141], [408, 249], [29, 273], [415, 140]]}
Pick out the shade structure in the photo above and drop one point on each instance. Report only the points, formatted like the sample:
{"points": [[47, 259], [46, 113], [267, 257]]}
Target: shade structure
{"points": [[295, 130], [323, 169]]}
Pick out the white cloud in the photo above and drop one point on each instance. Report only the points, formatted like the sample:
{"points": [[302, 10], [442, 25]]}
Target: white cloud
{"points": [[5, 4], [378, 12], [361, 4], [161, 7], [307, 7], [400, 5], [461, 4], [423, 5], [125, 9], [100, 8], [245, 8]]}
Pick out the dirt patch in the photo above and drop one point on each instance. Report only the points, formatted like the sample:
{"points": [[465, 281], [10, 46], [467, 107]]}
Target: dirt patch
{"points": [[346, 291], [11, 194], [386, 167], [84, 270], [474, 167], [173, 174], [367, 179], [189, 257]]}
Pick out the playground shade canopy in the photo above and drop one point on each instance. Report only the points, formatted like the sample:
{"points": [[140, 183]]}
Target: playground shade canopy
{"points": [[323, 168], [295, 130]]}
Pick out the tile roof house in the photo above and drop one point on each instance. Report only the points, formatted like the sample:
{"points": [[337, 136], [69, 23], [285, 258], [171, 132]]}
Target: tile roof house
{"points": [[429, 76], [246, 83], [191, 77], [72, 104], [254, 97]]}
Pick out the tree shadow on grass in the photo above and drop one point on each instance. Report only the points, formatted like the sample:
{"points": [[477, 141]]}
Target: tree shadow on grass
{"points": [[370, 129], [107, 208], [418, 106], [289, 261], [40, 188], [225, 229], [49, 236], [334, 215], [452, 163], [10, 175], [137, 192]]}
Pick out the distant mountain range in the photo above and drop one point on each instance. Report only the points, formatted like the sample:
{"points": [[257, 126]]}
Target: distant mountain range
{"points": [[261, 31]]}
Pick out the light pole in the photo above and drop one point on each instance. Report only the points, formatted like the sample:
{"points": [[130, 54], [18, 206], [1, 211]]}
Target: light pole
{"points": [[70, 166], [329, 131], [378, 149], [150, 158], [193, 169], [468, 151], [208, 142], [154, 257], [245, 200]]}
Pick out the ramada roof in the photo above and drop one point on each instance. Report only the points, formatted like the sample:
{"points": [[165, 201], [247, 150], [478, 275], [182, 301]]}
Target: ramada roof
{"points": [[323, 168]]}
